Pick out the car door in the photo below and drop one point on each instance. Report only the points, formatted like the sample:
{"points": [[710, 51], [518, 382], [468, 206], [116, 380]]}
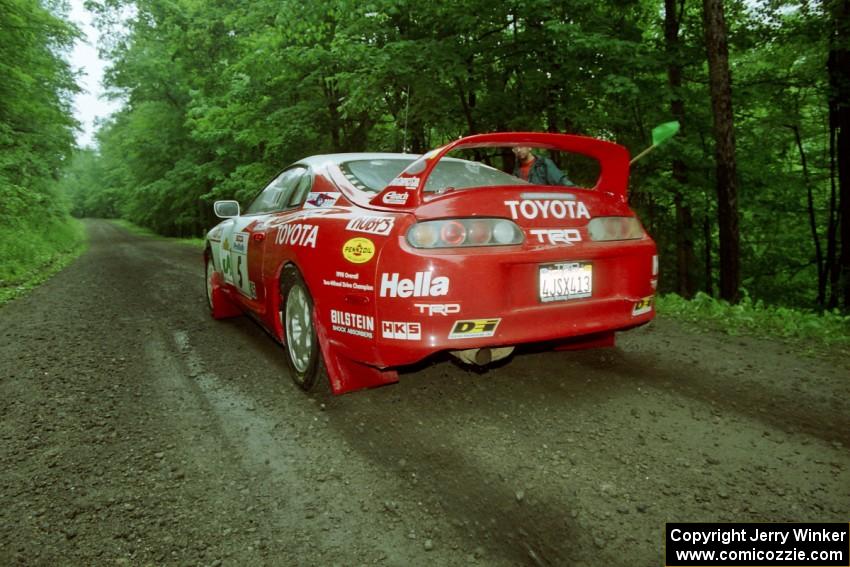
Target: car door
{"points": [[242, 241], [278, 209]]}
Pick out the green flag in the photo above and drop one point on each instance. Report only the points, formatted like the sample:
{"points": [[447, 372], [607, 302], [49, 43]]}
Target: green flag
{"points": [[664, 132]]}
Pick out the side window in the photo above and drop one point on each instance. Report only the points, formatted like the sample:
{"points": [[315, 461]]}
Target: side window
{"points": [[277, 193], [301, 190]]}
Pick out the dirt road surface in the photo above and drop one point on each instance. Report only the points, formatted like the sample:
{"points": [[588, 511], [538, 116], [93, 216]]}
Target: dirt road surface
{"points": [[138, 431]]}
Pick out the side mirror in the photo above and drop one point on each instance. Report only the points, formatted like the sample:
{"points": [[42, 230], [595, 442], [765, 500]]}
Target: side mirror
{"points": [[226, 209]]}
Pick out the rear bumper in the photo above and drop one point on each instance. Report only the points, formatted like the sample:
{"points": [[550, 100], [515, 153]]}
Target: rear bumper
{"points": [[493, 298]]}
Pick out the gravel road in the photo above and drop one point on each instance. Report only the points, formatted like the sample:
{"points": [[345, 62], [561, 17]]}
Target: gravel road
{"points": [[138, 431]]}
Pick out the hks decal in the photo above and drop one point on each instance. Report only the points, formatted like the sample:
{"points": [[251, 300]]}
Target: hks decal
{"points": [[401, 330]]}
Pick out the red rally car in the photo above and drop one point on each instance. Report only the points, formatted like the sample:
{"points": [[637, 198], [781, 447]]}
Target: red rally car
{"points": [[362, 263]]}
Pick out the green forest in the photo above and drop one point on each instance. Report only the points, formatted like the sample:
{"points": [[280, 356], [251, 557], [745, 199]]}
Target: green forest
{"points": [[750, 201]]}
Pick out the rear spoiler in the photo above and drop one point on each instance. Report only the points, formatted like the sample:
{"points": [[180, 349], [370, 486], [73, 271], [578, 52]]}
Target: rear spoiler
{"points": [[406, 189]]}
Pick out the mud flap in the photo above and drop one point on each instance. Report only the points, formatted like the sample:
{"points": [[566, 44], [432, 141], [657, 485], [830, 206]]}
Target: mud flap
{"points": [[223, 308], [598, 340], [347, 375]]}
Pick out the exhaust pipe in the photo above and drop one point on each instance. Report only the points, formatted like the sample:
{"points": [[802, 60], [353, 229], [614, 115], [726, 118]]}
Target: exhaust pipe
{"points": [[482, 356]]}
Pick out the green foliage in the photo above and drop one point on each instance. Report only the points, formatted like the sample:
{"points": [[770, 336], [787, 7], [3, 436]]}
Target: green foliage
{"points": [[142, 231], [806, 328], [36, 139], [32, 253], [220, 95]]}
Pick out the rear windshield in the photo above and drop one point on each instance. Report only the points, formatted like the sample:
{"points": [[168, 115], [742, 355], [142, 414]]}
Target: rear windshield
{"points": [[373, 175], [454, 173]]}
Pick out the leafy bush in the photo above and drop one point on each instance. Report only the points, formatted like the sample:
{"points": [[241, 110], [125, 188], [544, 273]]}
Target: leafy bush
{"points": [[828, 329]]}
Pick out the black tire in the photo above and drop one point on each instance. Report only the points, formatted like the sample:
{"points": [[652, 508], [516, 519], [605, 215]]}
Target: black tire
{"points": [[301, 344], [208, 265]]}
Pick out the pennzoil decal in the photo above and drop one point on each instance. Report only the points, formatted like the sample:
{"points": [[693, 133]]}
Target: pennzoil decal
{"points": [[358, 250], [321, 200], [372, 225], [474, 328], [643, 306]]}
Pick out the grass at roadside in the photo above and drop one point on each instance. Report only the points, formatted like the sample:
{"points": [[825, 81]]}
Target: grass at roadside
{"points": [[808, 331], [32, 253], [136, 229]]}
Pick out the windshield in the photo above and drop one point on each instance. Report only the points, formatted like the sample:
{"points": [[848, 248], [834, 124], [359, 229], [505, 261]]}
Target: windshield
{"points": [[373, 175]]}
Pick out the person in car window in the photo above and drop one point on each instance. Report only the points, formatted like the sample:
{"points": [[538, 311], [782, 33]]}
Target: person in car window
{"points": [[538, 170]]}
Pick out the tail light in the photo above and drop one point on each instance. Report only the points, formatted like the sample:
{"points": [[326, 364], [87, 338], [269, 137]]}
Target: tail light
{"points": [[615, 228], [462, 233]]}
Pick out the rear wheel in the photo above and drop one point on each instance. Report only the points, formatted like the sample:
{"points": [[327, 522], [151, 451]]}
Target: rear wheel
{"points": [[209, 281], [303, 354]]}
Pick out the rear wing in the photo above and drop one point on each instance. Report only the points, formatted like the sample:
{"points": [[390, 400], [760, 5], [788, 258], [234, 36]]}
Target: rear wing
{"points": [[406, 189]]}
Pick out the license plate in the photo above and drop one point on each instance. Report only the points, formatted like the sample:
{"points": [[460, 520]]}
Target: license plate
{"points": [[564, 281]]}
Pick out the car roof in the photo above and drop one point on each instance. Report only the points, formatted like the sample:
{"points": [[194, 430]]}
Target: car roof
{"points": [[336, 159]]}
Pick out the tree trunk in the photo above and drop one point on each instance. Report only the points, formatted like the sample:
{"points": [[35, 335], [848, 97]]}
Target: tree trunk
{"points": [[724, 134], [709, 274], [810, 201], [832, 271], [685, 258], [838, 66]]}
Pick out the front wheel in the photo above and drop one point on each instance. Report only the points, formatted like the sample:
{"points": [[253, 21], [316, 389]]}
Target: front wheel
{"points": [[303, 354]]}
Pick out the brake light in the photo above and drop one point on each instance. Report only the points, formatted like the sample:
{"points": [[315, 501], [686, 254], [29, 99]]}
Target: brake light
{"points": [[462, 233], [602, 229]]}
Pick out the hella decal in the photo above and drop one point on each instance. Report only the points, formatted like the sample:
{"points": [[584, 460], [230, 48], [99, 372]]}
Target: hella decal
{"points": [[320, 200], [372, 225], [395, 198], [474, 328], [422, 285], [443, 309], [549, 209], [401, 330], [352, 323], [556, 235], [297, 235]]}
